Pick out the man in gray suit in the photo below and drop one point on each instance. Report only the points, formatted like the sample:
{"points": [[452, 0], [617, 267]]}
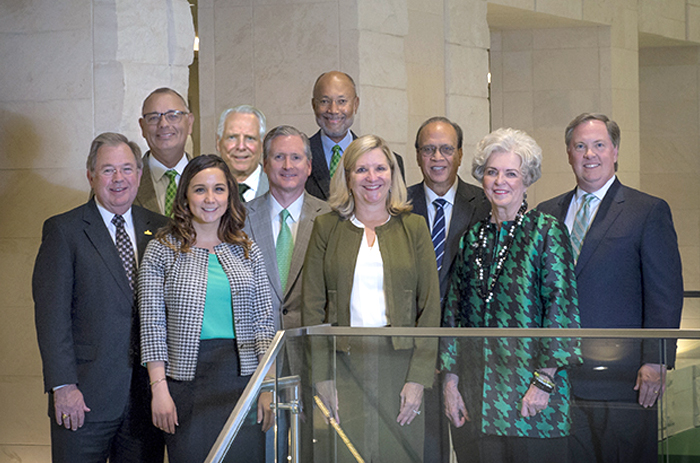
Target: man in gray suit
{"points": [[287, 163], [239, 142], [166, 122], [439, 155]]}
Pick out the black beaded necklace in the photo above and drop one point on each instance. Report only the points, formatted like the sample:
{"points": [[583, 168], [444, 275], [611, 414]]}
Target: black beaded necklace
{"points": [[485, 289]]}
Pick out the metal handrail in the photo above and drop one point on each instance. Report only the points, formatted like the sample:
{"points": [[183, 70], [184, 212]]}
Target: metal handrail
{"points": [[257, 382], [235, 420]]}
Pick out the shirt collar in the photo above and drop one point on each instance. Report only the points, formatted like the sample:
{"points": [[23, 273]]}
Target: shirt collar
{"points": [[294, 209], [253, 180], [600, 194], [431, 196], [107, 216], [158, 169], [328, 144]]}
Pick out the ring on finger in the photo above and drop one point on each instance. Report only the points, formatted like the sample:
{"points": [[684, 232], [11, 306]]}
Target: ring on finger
{"points": [[64, 416]]}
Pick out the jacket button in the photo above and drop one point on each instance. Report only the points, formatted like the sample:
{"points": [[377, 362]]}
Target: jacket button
{"points": [[285, 311]]}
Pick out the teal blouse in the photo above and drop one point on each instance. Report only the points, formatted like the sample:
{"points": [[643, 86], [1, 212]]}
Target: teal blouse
{"points": [[218, 314]]}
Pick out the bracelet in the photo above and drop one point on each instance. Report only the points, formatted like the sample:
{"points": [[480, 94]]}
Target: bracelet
{"points": [[542, 373], [544, 379], [153, 383], [542, 386]]}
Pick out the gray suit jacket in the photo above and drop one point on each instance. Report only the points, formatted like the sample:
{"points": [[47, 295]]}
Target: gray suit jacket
{"points": [[146, 196], [471, 206], [286, 302]]}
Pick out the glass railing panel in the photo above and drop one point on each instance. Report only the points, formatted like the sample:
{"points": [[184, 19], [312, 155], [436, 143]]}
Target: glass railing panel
{"points": [[364, 371]]}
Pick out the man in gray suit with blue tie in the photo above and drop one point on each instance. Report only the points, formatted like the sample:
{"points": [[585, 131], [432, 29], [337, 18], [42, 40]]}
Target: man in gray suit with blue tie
{"points": [[628, 271]]}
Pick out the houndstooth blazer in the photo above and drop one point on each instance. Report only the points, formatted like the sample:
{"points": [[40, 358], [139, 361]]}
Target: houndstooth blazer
{"points": [[172, 291]]}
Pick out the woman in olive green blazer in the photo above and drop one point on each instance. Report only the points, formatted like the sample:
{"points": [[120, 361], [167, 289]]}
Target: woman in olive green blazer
{"points": [[349, 282]]}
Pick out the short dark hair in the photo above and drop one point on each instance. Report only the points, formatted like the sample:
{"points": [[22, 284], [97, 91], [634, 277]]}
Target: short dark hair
{"points": [[286, 131], [112, 139], [458, 129]]}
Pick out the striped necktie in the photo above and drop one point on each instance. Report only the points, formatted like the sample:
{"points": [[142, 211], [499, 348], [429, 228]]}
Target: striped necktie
{"points": [[581, 223], [438, 233]]}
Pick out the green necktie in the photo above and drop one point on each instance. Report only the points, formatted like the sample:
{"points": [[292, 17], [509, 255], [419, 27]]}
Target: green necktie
{"points": [[170, 192], [242, 188], [335, 159], [284, 248], [581, 223]]}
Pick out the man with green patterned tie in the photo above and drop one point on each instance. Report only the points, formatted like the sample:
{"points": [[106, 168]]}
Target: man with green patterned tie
{"points": [[165, 122], [335, 104], [281, 220], [239, 142]]}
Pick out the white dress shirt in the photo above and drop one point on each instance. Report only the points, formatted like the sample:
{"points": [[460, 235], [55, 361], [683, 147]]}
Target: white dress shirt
{"points": [[577, 202], [160, 180], [294, 210], [253, 181], [431, 196], [128, 226]]}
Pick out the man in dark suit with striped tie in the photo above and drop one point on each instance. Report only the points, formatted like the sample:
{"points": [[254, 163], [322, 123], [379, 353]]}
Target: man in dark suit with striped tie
{"points": [[450, 207]]}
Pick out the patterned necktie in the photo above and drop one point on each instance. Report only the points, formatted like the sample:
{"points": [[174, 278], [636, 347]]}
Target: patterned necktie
{"points": [[335, 159], [581, 223], [125, 249], [284, 248], [170, 192], [242, 188], [438, 234]]}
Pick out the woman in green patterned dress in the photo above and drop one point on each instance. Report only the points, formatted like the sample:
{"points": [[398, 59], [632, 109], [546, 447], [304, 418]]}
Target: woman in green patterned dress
{"points": [[507, 398]]}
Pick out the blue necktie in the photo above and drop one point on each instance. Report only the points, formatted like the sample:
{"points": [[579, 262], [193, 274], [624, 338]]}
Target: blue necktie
{"points": [[439, 233]]}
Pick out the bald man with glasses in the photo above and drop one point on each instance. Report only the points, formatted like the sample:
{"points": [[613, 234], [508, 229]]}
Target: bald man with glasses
{"points": [[166, 122]]}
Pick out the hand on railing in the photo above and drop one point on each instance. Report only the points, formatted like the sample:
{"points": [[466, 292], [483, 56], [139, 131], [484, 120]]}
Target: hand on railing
{"points": [[651, 383], [329, 396], [454, 406], [265, 414], [411, 399]]}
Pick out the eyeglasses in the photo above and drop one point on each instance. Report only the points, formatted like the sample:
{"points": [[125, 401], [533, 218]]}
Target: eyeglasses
{"points": [[173, 116], [326, 102], [430, 150]]}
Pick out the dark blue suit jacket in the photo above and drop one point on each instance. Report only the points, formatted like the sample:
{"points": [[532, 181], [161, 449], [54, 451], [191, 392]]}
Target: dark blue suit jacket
{"points": [[629, 276], [85, 309], [319, 182], [471, 206]]}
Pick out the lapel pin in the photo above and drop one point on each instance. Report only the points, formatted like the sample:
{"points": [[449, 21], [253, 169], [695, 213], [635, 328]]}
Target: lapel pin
{"points": [[147, 232]]}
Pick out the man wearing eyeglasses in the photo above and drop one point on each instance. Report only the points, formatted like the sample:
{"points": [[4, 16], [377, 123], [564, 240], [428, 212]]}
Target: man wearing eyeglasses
{"points": [[335, 104], [166, 122], [450, 206]]}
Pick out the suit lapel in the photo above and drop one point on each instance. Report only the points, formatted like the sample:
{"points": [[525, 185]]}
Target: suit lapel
{"points": [[609, 210], [144, 230], [262, 230], [462, 212], [263, 185], [306, 222], [319, 168], [146, 196], [99, 237]]}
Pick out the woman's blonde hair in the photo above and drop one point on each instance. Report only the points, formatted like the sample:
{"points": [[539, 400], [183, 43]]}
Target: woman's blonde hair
{"points": [[341, 199]]}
